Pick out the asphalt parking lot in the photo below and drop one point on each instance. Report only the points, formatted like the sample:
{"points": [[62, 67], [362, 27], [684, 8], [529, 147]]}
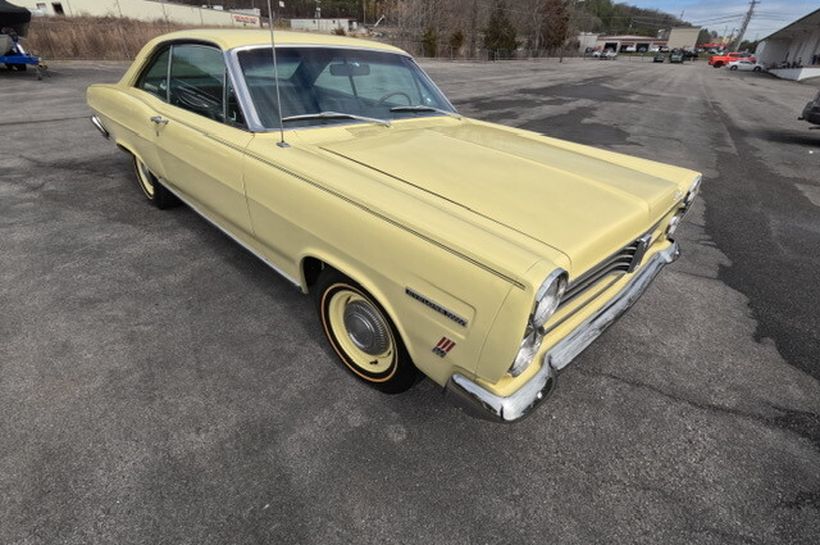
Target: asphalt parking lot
{"points": [[158, 384]]}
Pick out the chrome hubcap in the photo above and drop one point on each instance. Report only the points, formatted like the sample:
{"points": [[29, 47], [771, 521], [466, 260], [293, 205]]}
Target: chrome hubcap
{"points": [[366, 328]]}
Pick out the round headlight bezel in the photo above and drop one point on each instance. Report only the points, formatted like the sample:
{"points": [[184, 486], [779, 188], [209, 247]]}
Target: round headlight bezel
{"points": [[674, 223], [548, 297], [694, 189]]}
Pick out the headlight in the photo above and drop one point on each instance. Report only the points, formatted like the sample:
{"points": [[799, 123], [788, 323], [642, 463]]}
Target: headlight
{"points": [[693, 192], [548, 297], [526, 352], [673, 224]]}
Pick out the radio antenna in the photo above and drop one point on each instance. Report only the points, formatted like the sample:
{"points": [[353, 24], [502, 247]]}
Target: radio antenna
{"points": [[281, 143]]}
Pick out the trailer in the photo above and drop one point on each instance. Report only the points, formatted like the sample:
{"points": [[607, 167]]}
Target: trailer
{"points": [[20, 62], [14, 23]]}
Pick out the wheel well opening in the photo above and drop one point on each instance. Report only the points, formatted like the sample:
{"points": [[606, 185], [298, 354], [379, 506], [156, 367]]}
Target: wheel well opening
{"points": [[311, 268]]}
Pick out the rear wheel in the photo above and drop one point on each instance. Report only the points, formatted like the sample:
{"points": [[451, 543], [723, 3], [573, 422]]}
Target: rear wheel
{"points": [[362, 335], [153, 190]]}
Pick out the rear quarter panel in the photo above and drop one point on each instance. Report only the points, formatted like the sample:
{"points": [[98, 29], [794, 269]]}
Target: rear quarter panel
{"points": [[127, 115]]}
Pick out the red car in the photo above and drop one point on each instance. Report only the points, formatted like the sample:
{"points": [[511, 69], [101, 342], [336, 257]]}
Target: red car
{"points": [[719, 60]]}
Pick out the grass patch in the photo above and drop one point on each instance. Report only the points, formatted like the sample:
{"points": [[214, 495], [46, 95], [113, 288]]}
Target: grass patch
{"points": [[98, 38]]}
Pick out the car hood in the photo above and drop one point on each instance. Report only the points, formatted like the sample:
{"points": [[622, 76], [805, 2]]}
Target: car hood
{"points": [[584, 202]]}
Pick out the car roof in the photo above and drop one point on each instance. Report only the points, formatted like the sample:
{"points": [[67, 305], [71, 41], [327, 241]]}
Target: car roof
{"points": [[233, 38]]}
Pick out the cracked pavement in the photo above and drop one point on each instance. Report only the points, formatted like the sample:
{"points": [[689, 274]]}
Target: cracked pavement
{"points": [[158, 384]]}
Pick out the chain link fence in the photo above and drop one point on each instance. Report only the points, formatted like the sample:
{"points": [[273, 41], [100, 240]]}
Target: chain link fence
{"points": [[95, 38]]}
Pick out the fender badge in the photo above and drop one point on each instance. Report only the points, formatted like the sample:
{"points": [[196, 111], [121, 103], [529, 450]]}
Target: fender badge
{"points": [[435, 306], [443, 347]]}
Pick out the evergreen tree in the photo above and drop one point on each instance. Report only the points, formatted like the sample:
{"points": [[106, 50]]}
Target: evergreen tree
{"points": [[500, 37]]}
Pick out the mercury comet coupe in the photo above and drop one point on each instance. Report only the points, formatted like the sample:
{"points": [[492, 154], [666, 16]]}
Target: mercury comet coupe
{"points": [[482, 256]]}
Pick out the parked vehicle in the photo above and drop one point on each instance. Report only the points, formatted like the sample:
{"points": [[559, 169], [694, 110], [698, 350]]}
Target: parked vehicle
{"points": [[659, 57], [676, 56], [811, 112], [14, 23], [745, 65], [485, 257], [605, 55], [720, 60]]}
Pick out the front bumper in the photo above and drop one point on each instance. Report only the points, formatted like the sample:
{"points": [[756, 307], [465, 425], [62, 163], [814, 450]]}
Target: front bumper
{"points": [[480, 402]]}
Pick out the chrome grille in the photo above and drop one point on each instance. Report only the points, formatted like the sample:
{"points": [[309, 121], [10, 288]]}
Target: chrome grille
{"points": [[624, 261]]}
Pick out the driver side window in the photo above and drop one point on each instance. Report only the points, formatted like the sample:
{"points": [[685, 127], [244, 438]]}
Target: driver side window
{"points": [[154, 79], [197, 80]]}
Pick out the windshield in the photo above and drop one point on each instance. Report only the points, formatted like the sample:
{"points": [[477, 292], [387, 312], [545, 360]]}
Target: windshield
{"points": [[361, 83]]}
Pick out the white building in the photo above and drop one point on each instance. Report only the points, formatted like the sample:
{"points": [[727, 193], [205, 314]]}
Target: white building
{"points": [[143, 10], [683, 38], [628, 43], [586, 40], [324, 25], [794, 50]]}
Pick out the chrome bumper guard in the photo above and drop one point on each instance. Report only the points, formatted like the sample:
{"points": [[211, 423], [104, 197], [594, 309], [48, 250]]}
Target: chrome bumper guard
{"points": [[95, 120], [482, 403]]}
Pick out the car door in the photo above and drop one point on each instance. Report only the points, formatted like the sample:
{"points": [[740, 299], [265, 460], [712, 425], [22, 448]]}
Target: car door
{"points": [[140, 104], [201, 135]]}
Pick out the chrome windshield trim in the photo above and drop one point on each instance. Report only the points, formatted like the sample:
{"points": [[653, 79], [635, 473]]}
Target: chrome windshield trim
{"points": [[319, 46], [482, 403], [243, 94], [252, 118], [433, 83]]}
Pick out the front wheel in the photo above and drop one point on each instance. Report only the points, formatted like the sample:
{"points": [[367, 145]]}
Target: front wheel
{"points": [[757, 69], [153, 190], [362, 335], [733, 68]]}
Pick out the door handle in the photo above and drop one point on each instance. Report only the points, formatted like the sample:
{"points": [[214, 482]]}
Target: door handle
{"points": [[159, 120]]}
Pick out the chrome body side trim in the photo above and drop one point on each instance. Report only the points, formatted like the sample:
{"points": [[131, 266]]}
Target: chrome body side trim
{"points": [[230, 235], [481, 402], [97, 122]]}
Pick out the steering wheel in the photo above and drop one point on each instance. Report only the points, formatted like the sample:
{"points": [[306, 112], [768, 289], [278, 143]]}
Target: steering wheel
{"points": [[383, 99]]}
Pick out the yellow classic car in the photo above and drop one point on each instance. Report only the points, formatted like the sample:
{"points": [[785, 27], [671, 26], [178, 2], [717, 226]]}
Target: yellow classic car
{"points": [[485, 257]]}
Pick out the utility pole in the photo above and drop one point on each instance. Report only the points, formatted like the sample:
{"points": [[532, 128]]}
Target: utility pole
{"points": [[745, 24]]}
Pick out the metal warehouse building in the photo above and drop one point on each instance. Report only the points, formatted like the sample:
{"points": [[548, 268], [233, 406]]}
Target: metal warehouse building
{"points": [[794, 50], [144, 10]]}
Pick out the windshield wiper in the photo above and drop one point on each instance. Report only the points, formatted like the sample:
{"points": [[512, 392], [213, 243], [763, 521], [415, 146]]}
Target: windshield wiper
{"points": [[335, 115], [424, 108]]}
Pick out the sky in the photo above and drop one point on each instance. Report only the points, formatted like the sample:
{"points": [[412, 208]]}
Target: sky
{"points": [[719, 14]]}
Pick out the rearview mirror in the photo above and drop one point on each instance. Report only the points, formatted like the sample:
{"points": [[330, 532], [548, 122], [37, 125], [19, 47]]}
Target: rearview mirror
{"points": [[350, 69]]}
